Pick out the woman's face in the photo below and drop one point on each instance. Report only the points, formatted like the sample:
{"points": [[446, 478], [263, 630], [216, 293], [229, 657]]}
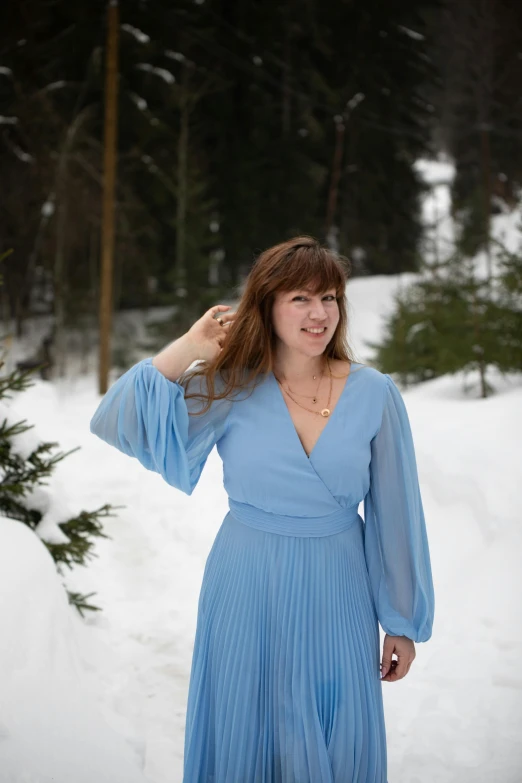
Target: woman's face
{"points": [[295, 313]]}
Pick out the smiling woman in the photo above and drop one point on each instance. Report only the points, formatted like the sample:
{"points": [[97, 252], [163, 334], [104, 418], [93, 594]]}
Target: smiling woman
{"points": [[285, 684], [314, 317]]}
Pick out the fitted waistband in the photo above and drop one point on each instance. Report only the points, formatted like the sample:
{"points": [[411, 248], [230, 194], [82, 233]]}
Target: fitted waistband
{"points": [[312, 527]]}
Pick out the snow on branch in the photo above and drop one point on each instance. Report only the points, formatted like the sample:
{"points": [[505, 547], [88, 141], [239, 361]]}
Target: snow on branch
{"points": [[54, 86], [140, 102], [175, 55], [411, 33], [167, 76], [139, 35], [25, 157]]}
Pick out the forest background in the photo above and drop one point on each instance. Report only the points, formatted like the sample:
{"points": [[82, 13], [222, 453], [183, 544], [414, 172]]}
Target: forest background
{"points": [[242, 124]]}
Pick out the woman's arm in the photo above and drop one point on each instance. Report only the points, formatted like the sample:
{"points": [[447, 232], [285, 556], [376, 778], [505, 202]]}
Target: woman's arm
{"points": [[177, 357], [145, 414]]}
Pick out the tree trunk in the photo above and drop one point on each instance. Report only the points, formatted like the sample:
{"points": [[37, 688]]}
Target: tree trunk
{"points": [[486, 191], [182, 184], [109, 186]]}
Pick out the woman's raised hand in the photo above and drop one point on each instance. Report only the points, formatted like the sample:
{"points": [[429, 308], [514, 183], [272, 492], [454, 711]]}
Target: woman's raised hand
{"points": [[204, 340], [207, 335]]}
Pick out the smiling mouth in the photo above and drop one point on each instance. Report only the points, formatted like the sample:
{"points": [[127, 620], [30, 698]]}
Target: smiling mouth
{"points": [[315, 330]]}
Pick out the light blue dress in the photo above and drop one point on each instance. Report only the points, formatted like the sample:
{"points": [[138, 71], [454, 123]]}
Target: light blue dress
{"points": [[285, 684]]}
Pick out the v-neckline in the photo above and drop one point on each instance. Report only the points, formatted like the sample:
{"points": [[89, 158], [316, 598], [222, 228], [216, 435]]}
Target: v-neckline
{"points": [[331, 416]]}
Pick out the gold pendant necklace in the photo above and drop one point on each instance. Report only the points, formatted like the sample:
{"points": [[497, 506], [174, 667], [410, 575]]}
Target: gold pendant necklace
{"points": [[325, 411], [306, 396]]}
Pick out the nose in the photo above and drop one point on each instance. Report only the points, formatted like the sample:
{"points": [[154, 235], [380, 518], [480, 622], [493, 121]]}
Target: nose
{"points": [[317, 310]]}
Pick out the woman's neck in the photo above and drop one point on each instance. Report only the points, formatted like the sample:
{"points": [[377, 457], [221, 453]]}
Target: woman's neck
{"points": [[298, 368]]}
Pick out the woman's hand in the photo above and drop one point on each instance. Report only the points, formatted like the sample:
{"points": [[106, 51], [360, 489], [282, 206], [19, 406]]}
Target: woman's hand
{"points": [[404, 648], [207, 335]]}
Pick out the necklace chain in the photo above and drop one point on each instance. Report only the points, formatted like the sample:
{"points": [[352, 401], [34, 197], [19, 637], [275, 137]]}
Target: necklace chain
{"points": [[307, 396], [325, 411]]}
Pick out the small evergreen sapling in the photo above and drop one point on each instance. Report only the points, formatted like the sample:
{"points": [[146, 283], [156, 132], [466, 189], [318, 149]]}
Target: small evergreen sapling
{"points": [[452, 319], [25, 463]]}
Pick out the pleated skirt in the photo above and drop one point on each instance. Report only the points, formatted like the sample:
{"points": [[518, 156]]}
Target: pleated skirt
{"points": [[285, 684]]}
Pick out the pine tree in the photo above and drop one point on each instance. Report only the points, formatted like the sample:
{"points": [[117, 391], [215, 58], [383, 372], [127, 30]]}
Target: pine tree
{"points": [[25, 464]]}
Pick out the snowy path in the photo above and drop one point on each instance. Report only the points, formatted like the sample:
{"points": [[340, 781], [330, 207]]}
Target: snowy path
{"points": [[455, 718]]}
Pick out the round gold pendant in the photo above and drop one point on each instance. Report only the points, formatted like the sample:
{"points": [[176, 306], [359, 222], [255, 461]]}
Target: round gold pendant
{"points": [[325, 412]]}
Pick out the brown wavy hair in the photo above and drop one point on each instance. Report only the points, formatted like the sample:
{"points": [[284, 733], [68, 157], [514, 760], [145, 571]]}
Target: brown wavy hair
{"points": [[248, 352]]}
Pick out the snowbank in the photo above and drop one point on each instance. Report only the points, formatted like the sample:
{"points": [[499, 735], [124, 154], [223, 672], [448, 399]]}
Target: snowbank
{"points": [[51, 729]]}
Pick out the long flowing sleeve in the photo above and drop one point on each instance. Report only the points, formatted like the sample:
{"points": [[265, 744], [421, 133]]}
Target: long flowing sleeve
{"points": [[146, 416], [395, 537]]}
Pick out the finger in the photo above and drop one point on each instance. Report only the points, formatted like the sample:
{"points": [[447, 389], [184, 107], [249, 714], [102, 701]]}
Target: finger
{"points": [[390, 671], [387, 651], [402, 668], [218, 309], [223, 320], [219, 322]]}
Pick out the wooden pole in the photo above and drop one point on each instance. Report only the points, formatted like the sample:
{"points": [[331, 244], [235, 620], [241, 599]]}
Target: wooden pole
{"points": [[182, 178], [109, 183]]}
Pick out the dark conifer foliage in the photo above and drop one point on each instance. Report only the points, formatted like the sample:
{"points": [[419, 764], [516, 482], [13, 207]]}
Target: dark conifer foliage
{"points": [[240, 124], [478, 50]]}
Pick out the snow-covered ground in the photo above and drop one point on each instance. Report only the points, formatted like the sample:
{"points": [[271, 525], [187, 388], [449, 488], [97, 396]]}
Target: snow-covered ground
{"points": [[118, 680]]}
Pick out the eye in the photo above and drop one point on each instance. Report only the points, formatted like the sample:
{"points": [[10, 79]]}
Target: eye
{"points": [[330, 297]]}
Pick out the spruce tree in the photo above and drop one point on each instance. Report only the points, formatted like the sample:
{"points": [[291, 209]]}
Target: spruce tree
{"points": [[452, 320], [25, 464]]}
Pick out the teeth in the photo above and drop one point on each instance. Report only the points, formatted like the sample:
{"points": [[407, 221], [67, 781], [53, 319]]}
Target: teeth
{"points": [[316, 331]]}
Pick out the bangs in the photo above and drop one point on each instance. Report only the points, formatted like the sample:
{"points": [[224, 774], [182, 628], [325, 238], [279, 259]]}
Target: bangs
{"points": [[311, 271]]}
